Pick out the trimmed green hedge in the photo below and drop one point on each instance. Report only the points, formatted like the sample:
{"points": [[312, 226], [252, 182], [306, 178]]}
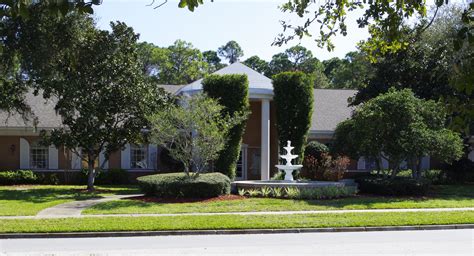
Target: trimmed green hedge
{"points": [[114, 176], [293, 97], [18, 177], [399, 186], [232, 92], [180, 185]]}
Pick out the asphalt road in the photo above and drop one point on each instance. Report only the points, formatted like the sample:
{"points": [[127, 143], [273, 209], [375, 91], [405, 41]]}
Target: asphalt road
{"points": [[447, 242]]}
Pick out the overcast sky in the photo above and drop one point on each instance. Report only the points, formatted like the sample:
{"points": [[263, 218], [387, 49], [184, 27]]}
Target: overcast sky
{"points": [[252, 23]]}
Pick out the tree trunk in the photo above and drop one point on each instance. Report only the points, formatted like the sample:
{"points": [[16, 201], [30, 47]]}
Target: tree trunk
{"points": [[91, 176], [378, 161], [418, 169]]}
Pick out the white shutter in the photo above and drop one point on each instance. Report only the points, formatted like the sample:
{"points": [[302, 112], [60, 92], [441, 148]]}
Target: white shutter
{"points": [[471, 155], [384, 164], [152, 156], [76, 162], [24, 154], [361, 164], [425, 163], [103, 162], [125, 157], [53, 157], [404, 165]]}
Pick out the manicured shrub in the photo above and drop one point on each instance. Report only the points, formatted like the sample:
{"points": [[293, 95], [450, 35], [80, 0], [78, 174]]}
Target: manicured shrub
{"points": [[436, 177], [18, 177], [114, 176], [460, 171], [328, 192], [106, 177], [293, 98], [315, 149], [48, 178], [325, 168], [232, 92], [180, 185], [399, 186]]}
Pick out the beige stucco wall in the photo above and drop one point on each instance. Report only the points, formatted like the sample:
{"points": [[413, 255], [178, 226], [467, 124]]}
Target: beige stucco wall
{"points": [[253, 135]]}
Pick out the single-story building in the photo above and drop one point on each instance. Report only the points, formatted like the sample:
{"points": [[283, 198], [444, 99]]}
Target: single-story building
{"points": [[19, 148]]}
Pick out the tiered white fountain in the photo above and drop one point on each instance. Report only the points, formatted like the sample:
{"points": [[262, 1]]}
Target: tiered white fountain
{"points": [[288, 168]]}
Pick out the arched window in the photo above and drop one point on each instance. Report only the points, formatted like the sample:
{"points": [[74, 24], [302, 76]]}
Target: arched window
{"points": [[38, 156]]}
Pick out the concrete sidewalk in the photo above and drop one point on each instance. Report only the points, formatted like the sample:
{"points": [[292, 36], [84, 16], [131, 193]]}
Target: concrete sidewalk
{"points": [[75, 215], [75, 208]]}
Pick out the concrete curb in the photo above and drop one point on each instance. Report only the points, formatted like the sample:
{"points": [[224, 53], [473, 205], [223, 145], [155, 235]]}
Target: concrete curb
{"points": [[230, 231]]}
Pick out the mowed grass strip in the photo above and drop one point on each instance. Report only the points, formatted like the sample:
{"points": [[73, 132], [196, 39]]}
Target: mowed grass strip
{"points": [[234, 222], [441, 197]]}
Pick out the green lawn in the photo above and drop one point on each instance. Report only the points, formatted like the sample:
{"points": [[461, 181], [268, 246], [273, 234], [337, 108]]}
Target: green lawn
{"points": [[235, 222], [441, 197], [29, 200]]}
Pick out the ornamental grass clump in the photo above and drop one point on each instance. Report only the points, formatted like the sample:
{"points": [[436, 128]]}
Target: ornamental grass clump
{"points": [[327, 192]]}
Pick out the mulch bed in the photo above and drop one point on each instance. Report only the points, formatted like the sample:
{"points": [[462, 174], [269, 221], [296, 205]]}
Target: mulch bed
{"points": [[151, 199]]}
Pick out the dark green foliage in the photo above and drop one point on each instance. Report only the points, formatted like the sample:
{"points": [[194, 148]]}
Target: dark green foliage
{"points": [[18, 177], [231, 51], [257, 64], [48, 178], [436, 177], [180, 185], [114, 176], [398, 126], [315, 149], [295, 193], [293, 97], [399, 186], [232, 92], [460, 171]]}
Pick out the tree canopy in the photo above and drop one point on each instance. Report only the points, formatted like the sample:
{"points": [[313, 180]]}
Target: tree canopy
{"points": [[194, 132], [397, 126], [102, 95], [179, 63], [231, 51]]}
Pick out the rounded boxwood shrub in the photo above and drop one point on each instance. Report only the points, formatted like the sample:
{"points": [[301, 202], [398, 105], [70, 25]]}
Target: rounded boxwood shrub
{"points": [[399, 186], [315, 149], [180, 185]]}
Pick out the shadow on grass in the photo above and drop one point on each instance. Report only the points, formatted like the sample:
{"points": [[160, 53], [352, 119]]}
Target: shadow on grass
{"points": [[50, 193]]}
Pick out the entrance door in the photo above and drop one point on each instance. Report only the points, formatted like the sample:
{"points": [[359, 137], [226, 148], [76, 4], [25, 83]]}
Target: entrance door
{"points": [[241, 172]]}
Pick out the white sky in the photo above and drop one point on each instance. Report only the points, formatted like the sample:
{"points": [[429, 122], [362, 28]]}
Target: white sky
{"points": [[252, 23]]}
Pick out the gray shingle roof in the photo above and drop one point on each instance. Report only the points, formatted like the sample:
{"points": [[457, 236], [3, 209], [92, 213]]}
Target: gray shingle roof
{"points": [[171, 88], [256, 80], [41, 108], [330, 108]]}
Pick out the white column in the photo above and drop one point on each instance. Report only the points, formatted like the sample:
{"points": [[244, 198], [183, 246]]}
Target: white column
{"points": [[265, 153]]}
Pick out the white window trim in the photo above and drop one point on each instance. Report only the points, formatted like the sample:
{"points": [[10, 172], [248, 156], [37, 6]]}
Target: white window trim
{"points": [[36, 145]]}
